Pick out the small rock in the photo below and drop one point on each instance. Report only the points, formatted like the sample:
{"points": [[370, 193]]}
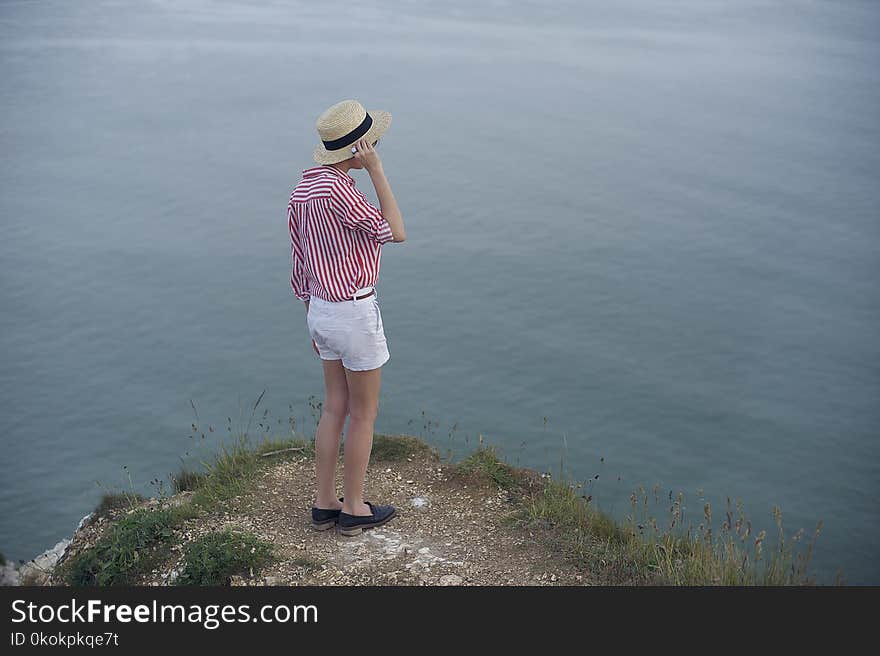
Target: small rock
{"points": [[450, 579], [172, 576], [85, 520], [35, 571]]}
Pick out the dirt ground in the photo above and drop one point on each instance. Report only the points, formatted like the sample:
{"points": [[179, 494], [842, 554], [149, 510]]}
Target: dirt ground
{"points": [[449, 530]]}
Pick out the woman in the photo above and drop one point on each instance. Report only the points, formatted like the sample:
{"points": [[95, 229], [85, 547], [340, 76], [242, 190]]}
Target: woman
{"points": [[336, 247]]}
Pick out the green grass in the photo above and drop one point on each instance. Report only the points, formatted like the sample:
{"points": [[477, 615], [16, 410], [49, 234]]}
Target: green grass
{"points": [[640, 552], [186, 480], [306, 561], [214, 558], [398, 448], [635, 551], [485, 464], [137, 542], [112, 501], [232, 470], [131, 547]]}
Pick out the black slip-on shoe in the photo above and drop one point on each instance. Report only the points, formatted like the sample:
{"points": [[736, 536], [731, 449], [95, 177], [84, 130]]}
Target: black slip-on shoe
{"points": [[324, 518], [355, 524]]}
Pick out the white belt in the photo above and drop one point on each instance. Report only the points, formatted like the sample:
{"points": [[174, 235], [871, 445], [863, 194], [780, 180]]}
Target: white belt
{"points": [[362, 291]]}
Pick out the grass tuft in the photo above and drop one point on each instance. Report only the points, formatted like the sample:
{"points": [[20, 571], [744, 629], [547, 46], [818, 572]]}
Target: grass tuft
{"points": [[397, 448], [185, 480], [231, 472], [132, 546], [139, 541], [484, 465], [216, 557], [113, 501], [637, 550], [640, 552], [305, 561]]}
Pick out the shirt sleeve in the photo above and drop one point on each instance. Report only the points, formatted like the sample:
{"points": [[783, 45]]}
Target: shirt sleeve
{"points": [[298, 280], [354, 211]]}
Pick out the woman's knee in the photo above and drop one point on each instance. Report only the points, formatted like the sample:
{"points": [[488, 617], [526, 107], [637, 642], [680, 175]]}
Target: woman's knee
{"points": [[363, 394], [336, 390], [336, 408], [364, 411]]}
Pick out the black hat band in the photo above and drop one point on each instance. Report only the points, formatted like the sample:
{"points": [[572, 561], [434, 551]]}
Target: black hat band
{"points": [[352, 136]]}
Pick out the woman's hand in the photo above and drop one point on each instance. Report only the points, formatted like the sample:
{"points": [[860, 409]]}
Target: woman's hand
{"points": [[366, 155], [315, 346]]}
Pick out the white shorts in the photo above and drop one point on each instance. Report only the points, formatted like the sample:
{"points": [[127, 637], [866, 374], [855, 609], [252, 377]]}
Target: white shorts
{"points": [[350, 331]]}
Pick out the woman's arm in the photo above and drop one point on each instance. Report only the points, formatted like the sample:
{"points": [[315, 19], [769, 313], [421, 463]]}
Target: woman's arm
{"points": [[367, 155], [387, 202]]}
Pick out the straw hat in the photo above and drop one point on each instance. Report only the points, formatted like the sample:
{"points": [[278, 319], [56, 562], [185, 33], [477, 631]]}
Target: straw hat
{"points": [[342, 125]]}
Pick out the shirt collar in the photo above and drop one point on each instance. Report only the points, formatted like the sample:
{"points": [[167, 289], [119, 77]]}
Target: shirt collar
{"points": [[318, 170]]}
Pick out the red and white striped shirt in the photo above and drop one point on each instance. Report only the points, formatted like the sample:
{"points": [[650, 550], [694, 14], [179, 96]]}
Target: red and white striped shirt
{"points": [[336, 236]]}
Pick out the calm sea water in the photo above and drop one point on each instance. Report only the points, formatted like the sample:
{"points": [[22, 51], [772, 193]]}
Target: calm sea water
{"points": [[643, 243]]}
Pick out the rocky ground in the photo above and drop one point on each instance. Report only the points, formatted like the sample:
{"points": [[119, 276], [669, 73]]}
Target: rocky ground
{"points": [[450, 530]]}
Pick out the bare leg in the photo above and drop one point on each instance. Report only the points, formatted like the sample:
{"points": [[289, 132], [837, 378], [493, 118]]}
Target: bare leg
{"points": [[363, 403], [329, 434]]}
